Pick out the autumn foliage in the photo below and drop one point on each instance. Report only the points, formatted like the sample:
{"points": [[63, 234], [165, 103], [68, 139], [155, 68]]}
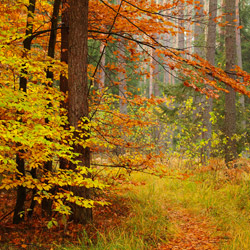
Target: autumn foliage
{"points": [[34, 124]]}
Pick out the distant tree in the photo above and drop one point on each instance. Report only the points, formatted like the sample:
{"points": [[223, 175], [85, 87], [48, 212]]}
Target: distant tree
{"points": [[210, 57], [230, 96]]}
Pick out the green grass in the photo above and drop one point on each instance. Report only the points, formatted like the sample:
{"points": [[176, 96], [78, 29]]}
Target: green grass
{"points": [[226, 202], [146, 226]]}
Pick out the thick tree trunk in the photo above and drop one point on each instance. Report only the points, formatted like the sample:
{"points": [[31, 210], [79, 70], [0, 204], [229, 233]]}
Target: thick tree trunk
{"points": [[230, 97], [21, 191], [78, 90]]}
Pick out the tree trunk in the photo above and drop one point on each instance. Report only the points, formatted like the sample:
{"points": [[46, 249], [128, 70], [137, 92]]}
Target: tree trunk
{"points": [[210, 56], [181, 36], [78, 91], [199, 30], [64, 47], [151, 86], [122, 75], [21, 191], [123, 105], [47, 204], [230, 97], [122, 79], [189, 36], [199, 45], [64, 86], [239, 61], [101, 74]]}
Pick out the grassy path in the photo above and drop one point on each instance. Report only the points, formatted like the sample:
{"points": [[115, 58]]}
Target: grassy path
{"points": [[192, 232], [187, 211], [204, 210]]}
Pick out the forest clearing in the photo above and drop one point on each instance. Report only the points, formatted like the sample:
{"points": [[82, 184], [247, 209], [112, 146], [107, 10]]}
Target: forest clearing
{"points": [[124, 124]]}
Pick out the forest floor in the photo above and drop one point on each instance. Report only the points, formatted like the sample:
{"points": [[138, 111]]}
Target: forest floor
{"points": [[190, 209], [193, 232]]}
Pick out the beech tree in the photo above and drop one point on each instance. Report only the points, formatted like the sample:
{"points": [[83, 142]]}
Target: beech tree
{"points": [[21, 190], [69, 123]]}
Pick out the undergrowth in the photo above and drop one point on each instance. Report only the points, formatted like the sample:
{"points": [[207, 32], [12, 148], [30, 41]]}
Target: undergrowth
{"points": [[139, 215], [145, 226], [221, 195]]}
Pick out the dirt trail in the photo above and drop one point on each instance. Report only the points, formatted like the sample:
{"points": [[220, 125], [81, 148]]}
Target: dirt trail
{"points": [[193, 232]]}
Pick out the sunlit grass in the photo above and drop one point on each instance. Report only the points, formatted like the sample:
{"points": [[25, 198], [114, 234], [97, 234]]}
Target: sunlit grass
{"points": [[146, 225], [223, 197]]}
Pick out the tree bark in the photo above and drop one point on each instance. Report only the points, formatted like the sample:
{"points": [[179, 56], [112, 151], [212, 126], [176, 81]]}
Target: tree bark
{"points": [[151, 76], [101, 74], [210, 56], [64, 86], [230, 97], [199, 45], [122, 79], [199, 30], [64, 47], [181, 35], [21, 191], [239, 61], [78, 91], [47, 204]]}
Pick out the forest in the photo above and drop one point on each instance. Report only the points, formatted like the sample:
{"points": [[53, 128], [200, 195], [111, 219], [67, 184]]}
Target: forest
{"points": [[124, 124]]}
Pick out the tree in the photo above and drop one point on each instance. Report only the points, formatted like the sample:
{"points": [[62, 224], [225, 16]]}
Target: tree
{"points": [[47, 204], [239, 60], [230, 96], [210, 56], [35, 123], [21, 190], [78, 107]]}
